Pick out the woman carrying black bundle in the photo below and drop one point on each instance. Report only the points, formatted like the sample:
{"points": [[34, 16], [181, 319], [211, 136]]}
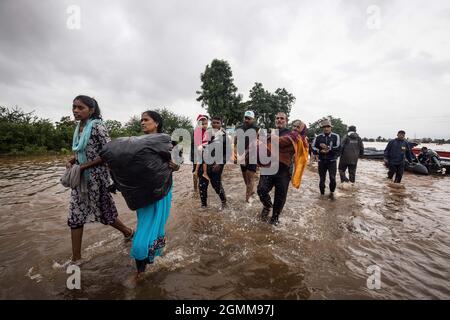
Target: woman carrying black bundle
{"points": [[142, 170], [149, 239]]}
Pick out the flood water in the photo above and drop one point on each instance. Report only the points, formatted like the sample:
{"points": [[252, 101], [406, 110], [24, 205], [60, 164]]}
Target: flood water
{"points": [[321, 249]]}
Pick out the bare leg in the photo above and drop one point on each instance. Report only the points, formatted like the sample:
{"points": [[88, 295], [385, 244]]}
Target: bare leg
{"points": [[246, 181], [205, 172], [122, 228], [77, 237], [244, 175], [195, 180], [250, 184]]}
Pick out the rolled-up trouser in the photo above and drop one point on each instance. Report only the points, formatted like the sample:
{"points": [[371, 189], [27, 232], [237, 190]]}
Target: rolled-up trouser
{"points": [[398, 170], [331, 167], [281, 183], [351, 171]]}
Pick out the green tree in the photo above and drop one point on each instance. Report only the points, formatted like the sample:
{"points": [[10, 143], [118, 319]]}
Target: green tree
{"points": [[266, 105], [64, 133], [218, 94], [174, 121], [115, 128], [133, 127], [338, 127]]}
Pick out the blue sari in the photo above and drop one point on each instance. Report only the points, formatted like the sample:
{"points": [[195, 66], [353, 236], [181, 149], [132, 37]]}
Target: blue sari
{"points": [[149, 238]]}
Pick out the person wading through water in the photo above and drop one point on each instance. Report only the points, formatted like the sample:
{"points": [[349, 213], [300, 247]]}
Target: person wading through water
{"points": [[327, 146], [197, 143], [248, 169], [150, 237], [215, 170], [293, 149], [96, 203], [352, 149], [394, 156]]}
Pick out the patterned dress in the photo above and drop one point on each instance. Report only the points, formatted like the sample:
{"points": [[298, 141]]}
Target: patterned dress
{"points": [[99, 205]]}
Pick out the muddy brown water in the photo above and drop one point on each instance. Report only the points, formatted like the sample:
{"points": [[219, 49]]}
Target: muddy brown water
{"points": [[321, 250]]}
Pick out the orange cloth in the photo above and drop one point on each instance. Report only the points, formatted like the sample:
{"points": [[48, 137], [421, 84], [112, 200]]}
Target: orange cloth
{"points": [[300, 161]]}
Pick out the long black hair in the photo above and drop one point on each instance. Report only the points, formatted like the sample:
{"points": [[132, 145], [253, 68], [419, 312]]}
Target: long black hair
{"points": [[92, 104], [157, 118]]}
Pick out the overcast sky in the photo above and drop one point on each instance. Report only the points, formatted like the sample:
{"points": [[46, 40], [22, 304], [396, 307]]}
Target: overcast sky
{"points": [[336, 57]]}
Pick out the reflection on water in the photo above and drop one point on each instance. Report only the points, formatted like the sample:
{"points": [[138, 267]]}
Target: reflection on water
{"points": [[321, 249]]}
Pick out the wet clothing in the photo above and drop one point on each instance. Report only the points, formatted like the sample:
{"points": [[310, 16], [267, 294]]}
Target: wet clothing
{"points": [[215, 177], [282, 178], [330, 167], [149, 238], [352, 148], [249, 167], [216, 183], [327, 161], [281, 182], [396, 151], [72, 178], [99, 204], [395, 154], [398, 170], [343, 167]]}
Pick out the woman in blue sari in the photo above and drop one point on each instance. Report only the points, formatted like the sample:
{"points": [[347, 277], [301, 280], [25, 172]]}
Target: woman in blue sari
{"points": [[149, 238]]}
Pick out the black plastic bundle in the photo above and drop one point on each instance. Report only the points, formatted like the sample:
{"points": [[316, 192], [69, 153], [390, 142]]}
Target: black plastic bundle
{"points": [[139, 167]]}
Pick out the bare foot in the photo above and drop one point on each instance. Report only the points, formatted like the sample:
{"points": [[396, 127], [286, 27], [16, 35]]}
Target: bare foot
{"points": [[129, 235]]}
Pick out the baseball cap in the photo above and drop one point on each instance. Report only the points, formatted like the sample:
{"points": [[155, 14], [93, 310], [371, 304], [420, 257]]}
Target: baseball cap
{"points": [[249, 114]]}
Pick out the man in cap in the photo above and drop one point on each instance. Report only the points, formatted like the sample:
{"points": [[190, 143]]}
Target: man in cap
{"points": [[352, 149], [248, 169], [396, 152], [327, 146]]}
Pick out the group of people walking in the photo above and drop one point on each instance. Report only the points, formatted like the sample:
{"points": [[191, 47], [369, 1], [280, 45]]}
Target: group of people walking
{"points": [[291, 159], [89, 177]]}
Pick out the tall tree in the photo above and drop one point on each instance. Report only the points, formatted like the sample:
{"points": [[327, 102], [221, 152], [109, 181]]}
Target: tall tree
{"points": [[266, 105], [218, 94], [261, 103]]}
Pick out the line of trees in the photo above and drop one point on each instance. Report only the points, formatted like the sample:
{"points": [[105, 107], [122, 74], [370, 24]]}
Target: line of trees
{"points": [[24, 133]]}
